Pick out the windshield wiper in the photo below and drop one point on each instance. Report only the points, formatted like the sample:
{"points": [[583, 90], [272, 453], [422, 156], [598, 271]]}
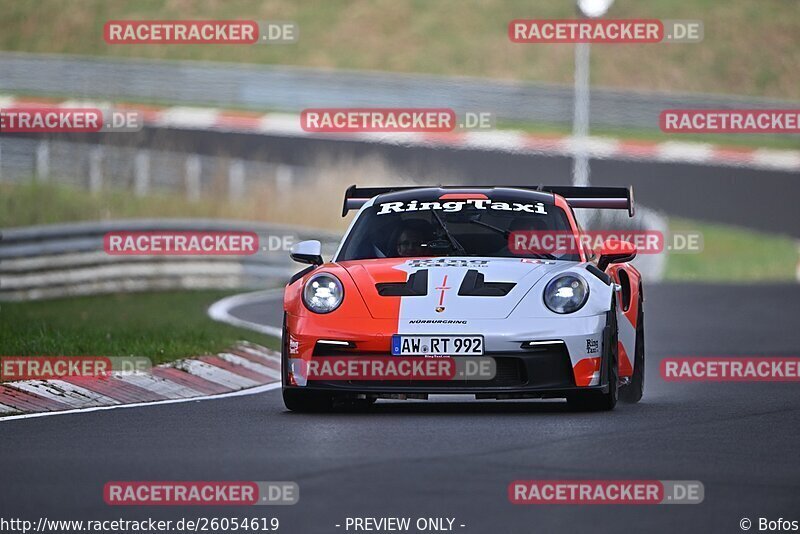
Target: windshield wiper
{"points": [[453, 241], [505, 233]]}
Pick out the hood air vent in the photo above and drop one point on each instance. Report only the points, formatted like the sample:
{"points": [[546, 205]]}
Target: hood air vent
{"points": [[474, 286], [415, 286]]}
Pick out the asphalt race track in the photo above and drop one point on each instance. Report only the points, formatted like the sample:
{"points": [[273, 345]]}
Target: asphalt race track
{"points": [[456, 459]]}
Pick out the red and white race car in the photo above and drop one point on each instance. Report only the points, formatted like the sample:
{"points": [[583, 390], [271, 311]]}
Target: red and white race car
{"points": [[444, 278]]}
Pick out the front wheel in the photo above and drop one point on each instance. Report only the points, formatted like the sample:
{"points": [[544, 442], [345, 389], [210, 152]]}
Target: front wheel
{"points": [[632, 393], [597, 401]]}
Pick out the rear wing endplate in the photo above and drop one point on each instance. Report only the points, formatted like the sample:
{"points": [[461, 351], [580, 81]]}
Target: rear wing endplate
{"points": [[355, 197]]}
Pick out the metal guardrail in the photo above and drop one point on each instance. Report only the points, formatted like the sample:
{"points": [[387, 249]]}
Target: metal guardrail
{"points": [[293, 89], [68, 259], [151, 161], [65, 260]]}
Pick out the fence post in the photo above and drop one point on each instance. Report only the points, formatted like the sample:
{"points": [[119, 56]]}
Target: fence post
{"points": [[235, 179], [141, 170], [193, 169], [43, 161], [95, 169]]}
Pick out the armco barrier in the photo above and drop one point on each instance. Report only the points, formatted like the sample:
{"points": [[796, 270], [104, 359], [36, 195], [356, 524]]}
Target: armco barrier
{"points": [[268, 87], [63, 260], [68, 259]]}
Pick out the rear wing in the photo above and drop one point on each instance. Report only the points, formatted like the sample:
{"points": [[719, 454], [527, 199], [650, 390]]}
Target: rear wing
{"points": [[610, 198]]}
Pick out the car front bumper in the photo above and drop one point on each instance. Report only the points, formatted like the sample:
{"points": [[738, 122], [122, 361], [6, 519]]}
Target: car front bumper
{"points": [[566, 356]]}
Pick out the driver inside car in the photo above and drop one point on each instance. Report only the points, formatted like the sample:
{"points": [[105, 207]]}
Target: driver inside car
{"points": [[412, 237]]}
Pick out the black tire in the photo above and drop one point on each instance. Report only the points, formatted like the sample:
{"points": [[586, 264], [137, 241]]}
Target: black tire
{"points": [[303, 400], [298, 400], [597, 401], [632, 393]]}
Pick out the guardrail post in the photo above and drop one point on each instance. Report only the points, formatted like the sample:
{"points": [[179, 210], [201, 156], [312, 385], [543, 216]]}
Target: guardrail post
{"points": [[43, 161], [96, 169], [193, 169], [235, 179], [284, 176], [141, 171]]}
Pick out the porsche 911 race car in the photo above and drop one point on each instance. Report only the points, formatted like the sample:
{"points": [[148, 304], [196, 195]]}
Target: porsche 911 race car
{"points": [[447, 274]]}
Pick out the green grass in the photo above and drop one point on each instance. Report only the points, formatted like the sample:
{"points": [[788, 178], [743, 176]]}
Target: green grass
{"points": [[161, 326], [32, 203], [732, 254], [749, 47]]}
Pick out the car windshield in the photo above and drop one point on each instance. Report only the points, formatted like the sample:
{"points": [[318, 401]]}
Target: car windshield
{"points": [[420, 229]]}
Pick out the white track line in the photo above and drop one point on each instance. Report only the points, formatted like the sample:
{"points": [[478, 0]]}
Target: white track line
{"points": [[220, 310], [240, 393]]}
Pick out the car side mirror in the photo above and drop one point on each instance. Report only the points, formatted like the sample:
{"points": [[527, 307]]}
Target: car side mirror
{"points": [[307, 252], [615, 251]]}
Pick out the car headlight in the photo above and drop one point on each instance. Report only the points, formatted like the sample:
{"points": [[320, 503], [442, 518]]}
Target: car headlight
{"points": [[566, 294], [323, 293]]}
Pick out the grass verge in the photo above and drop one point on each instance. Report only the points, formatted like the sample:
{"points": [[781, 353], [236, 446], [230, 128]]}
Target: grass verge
{"points": [[748, 47], [732, 254], [162, 326], [32, 203]]}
